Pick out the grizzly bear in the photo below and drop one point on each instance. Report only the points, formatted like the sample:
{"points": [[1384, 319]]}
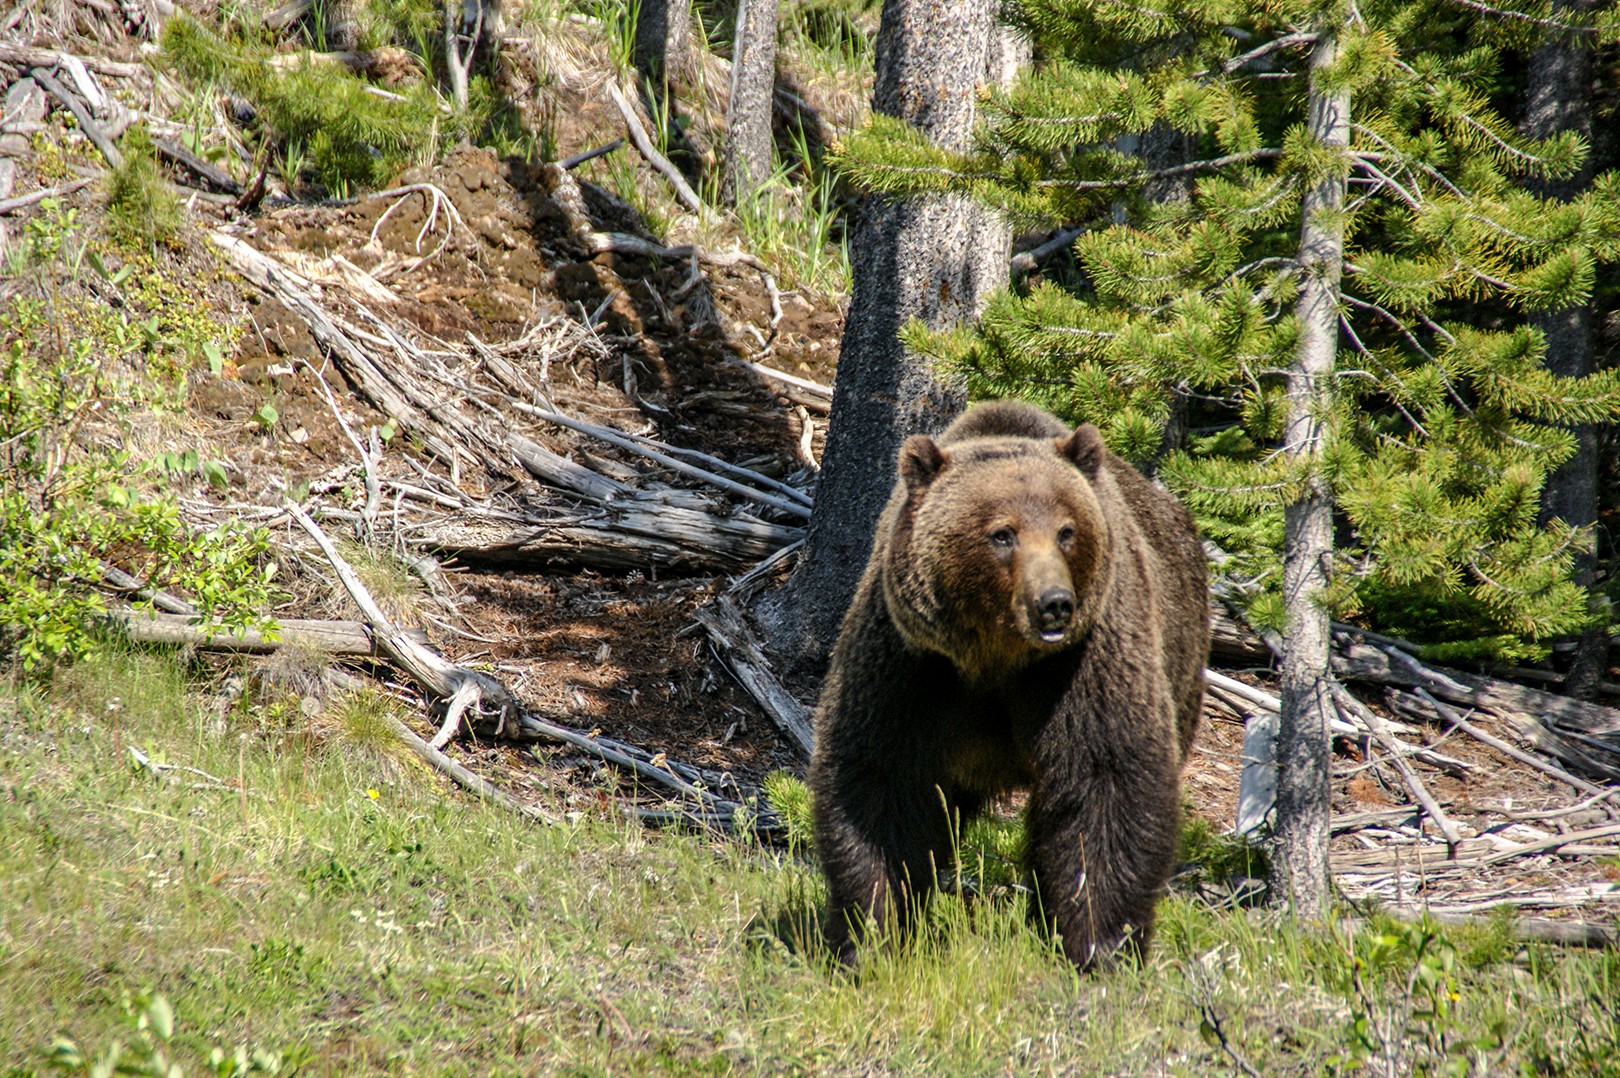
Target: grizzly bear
{"points": [[1033, 615]]}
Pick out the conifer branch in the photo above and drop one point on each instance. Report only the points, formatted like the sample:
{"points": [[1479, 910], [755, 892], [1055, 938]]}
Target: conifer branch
{"points": [[1208, 164], [1566, 26], [1365, 161], [1385, 369], [1287, 41], [1445, 379], [1469, 121]]}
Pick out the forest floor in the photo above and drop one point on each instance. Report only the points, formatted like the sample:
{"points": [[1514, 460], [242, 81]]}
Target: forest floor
{"points": [[662, 347]]}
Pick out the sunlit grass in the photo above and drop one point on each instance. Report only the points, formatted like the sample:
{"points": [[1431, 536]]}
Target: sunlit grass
{"points": [[399, 926]]}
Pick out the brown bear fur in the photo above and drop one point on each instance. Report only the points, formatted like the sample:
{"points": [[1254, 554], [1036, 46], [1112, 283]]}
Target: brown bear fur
{"points": [[1034, 615]]}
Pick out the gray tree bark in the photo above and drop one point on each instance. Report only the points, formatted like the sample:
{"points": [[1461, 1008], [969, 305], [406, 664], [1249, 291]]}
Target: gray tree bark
{"points": [[662, 50], [933, 258], [1558, 99], [748, 110], [1299, 843]]}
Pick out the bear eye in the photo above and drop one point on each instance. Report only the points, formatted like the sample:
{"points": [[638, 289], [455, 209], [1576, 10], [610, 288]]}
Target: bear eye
{"points": [[1003, 537], [1066, 536]]}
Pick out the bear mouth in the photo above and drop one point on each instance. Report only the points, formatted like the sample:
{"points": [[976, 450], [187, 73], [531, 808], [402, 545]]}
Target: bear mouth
{"points": [[1054, 636]]}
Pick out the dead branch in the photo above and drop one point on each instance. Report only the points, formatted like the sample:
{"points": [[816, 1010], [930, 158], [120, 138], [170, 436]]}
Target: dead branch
{"points": [[816, 388], [203, 169], [439, 678], [463, 777], [1559, 725], [12, 205], [590, 155], [797, 507], [1452, 717], [182, 630], [271, 276], [1379, 729], [745, 658], [1553, 843], [27, 56], [80, 113], [638, 135], [121, 580]]}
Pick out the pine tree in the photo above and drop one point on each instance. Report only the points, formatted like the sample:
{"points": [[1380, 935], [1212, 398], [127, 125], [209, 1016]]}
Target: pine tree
{"points": [[1438, 432], [1347, 297]]}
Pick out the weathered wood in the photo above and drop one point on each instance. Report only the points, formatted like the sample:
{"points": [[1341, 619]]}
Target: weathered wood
{"points": [[463, 777], [27, 56], [430, 670], [1535, 929], [117, 578], [81, 113], [1450, 716], [745, 658], [205, 170], [634, 536], [1257, 782], [182, 630], [1556, 841], [638, 134], [794, 506], [271, 276], [1381, 732], [1391, 666], [560, 472]]}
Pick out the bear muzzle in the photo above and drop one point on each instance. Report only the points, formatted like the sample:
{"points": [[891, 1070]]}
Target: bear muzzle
{"points": [[1053, 614]]}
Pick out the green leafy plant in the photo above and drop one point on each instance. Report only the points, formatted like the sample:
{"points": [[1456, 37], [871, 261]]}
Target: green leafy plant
{"points": [[69, 503], [150, 1020], [1406, 1000]]}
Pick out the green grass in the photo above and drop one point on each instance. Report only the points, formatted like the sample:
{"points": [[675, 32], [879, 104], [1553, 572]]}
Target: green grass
{"points": [[415, 931]]}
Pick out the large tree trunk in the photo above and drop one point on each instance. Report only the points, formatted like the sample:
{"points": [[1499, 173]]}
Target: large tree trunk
{"points": [[933, 258], [1557, 99], [662, 49], [748, 111], [1300, 841]]}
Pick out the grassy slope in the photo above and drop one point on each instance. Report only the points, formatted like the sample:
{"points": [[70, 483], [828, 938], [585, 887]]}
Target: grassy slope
{"points": [[416, 932]]}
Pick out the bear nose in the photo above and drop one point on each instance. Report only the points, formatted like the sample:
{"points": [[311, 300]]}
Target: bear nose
{"points": [[1056, 608]]}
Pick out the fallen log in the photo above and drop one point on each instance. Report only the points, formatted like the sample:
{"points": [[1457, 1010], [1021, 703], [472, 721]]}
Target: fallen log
{"points": [[182, 630], [600, 539], [745, 658]]}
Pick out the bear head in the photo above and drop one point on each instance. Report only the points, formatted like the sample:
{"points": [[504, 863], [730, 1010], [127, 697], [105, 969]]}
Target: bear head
{"points": [[997, 552]]}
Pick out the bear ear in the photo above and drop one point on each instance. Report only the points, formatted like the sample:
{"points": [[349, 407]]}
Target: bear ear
{"points": [[1084, 447], [920, 462]]}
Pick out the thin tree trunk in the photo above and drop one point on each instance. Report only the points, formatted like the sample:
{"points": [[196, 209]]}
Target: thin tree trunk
{"points": [[1558, 99], [1300, 841], [932, 258], [748, 112]]}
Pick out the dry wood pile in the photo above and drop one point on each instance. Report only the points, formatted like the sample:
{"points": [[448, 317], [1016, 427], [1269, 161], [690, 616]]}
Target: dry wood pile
{"points": [[1452, 742]]}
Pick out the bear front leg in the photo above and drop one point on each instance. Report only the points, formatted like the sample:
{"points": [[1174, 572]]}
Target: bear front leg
{"points": [[881, 835], [1101, 850]]}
